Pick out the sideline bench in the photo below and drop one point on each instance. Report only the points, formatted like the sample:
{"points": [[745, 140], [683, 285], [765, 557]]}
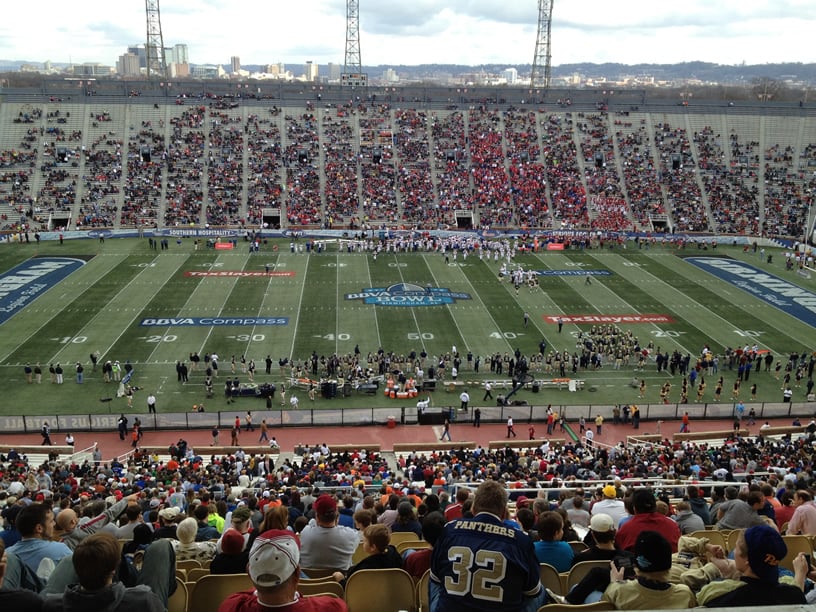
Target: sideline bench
{"points": [[708, 435], [782, 430], [221, 449], [36, 449], [410, 447], [643, 439], [524, 444], [341, 448]]}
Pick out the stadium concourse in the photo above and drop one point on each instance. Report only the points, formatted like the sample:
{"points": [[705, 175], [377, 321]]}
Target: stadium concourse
{"points": [[423, 437]]}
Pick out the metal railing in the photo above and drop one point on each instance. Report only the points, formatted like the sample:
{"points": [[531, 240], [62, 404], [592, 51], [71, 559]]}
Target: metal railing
{"points": [[404, 413]]}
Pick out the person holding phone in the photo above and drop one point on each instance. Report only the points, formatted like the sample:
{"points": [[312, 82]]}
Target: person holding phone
{"points": [[601, 541]]}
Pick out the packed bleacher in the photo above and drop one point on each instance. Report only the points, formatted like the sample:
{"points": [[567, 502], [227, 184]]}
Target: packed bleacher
{"points": [[571, 501], [214, 162]]}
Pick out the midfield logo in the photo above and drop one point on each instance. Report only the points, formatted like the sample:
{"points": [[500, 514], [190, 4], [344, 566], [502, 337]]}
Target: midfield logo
{"points": [[406, 294]]}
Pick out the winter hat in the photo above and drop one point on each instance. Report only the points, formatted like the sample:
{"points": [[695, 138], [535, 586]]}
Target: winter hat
{"points": [[273, 558], [653, 552], [232, 542], [325, 504], [601, 523], [766, 549]]}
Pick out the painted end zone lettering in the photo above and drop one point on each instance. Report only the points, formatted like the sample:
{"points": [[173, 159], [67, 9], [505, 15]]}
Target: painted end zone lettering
{"points": [[212, 321], [776, 291], [236, 273], [22, 284], [593, 319]]}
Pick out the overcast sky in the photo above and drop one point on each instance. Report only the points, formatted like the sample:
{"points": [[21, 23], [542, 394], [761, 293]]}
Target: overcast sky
{"points": [[414, 32]]}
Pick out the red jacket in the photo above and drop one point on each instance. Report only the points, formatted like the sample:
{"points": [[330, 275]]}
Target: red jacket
{"points": [[652, 521]]}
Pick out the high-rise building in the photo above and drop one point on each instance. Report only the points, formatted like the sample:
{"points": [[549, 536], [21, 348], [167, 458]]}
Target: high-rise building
{"points": [[178, 55], [310, 71], [139, 51], [334, 71], [235, 63], [510, 76], [128, 65]]}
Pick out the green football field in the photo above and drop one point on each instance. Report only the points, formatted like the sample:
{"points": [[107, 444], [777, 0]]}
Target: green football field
{"points": [[151, 307]]}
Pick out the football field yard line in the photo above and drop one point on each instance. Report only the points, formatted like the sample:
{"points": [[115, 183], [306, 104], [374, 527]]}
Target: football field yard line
{"points": [[139, 313], [686, 273], [374, 309], [202, 285], [413, 310], [261, 306], [476, 294], [448, 306], [102, 311], [336, 303], [707, 313], [628, 305], [57, 312], [556, 307], [305, 279]]}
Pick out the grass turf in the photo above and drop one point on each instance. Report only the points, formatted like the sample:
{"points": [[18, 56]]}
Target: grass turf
{"points": [[100, 306]]}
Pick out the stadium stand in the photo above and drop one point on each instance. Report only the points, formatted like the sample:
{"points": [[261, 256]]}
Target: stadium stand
{"points": [[209, 160]]}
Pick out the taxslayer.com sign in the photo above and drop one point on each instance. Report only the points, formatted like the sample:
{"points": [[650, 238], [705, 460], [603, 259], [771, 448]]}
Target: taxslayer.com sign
{"points": [[617, 318], [235, 274]]}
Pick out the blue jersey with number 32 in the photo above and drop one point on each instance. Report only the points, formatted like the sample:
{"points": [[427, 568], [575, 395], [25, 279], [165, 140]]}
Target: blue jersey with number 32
{"points": [[482, 564]]}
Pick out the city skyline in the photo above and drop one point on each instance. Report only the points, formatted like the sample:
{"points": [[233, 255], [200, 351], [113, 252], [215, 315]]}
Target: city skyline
{"points": [[421, 32]]}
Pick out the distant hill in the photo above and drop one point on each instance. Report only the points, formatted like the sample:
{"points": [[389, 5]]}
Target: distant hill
{"points": [[704, 71]]}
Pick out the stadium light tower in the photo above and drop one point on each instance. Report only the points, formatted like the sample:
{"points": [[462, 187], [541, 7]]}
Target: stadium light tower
{"points": [[353, 68], [154, 47], [540, 74]]}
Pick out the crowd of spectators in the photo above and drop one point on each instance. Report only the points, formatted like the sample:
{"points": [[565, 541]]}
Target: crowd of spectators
{"points": [[102, 175], [491, 184], [639, 174], [339, 153], [363, 163], [264, 163], [412, 155], [528, 178], [678, 178], [304, 204], [184, 194], [17, 165], [377, 167], [567, 193], [146, 161], [225, 165]]}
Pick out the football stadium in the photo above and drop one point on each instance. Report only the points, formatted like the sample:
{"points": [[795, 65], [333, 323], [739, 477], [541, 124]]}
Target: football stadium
{"points": [[353, 248], [386, 288]]}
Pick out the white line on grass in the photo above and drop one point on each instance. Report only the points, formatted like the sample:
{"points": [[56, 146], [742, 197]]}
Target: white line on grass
{"points": [[461, 335], [104, 312], [299, 305], [742, 307], [54, 312], [336, 302], [261, 307], [373, 308], [702, 308], [227, 295], [413, 312]]}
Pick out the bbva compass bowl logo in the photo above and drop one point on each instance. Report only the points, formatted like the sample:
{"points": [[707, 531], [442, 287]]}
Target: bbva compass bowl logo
{"points": [[406, 294]]}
